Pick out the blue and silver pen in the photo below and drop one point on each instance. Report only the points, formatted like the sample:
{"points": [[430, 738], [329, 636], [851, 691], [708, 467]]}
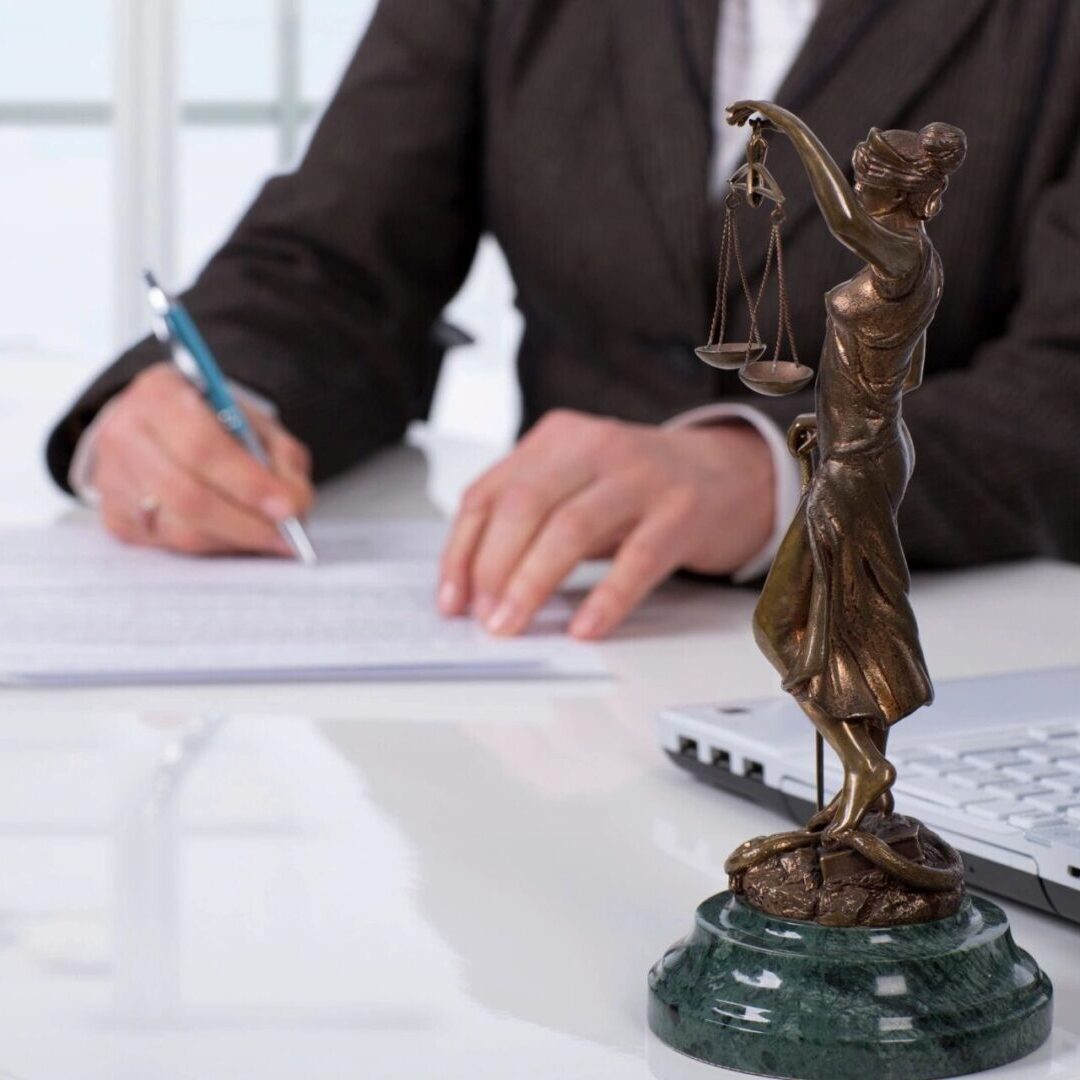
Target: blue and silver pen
{"points": [[174, 327]]}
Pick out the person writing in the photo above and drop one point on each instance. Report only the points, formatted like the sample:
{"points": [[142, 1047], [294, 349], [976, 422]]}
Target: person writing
{"points": [[590, 140]]}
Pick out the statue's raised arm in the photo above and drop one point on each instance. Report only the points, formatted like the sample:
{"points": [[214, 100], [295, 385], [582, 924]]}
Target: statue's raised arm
{"points": [[893, 254]]}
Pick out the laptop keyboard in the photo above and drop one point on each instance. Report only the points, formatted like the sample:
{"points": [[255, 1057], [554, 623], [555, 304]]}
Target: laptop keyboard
{"points": [[1026, 779]]}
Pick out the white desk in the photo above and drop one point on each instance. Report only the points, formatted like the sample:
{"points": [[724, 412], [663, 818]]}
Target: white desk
{"points": [[393, 881]]}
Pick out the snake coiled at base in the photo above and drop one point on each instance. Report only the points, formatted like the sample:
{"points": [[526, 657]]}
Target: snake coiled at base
{"points": [[872, 848]]}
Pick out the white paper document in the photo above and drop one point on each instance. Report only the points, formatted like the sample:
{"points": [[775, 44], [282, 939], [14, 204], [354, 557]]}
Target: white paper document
{"points": [[79, 608]]}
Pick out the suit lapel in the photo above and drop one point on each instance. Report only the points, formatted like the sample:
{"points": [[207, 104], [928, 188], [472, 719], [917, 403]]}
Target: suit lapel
{"points": [[863, 65], [663, 67]]}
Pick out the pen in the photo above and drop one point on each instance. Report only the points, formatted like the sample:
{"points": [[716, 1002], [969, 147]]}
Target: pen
{"points": [[173, 326]]}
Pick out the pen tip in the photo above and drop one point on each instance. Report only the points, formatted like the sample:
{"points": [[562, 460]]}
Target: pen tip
{"points": [[148, 277], [299, 541]]}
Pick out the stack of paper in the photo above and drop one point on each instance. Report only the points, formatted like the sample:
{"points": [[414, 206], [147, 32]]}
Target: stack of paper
{"points": [[81, 609]]}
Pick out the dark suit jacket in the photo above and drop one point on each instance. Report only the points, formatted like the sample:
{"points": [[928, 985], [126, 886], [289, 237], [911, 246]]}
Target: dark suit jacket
{"points": [[578, 132]]}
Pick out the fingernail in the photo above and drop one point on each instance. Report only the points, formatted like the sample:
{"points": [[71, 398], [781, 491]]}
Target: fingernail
{"points": [[483, 607], [449, 598], [277, 507], [504, 619], [587, 623]]}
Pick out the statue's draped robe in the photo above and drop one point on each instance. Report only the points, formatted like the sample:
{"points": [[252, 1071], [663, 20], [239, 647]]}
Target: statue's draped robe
{"points": [[834, 616]]}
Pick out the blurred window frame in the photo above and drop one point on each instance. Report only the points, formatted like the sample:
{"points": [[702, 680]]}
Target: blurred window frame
{"points": [[146, 115]]}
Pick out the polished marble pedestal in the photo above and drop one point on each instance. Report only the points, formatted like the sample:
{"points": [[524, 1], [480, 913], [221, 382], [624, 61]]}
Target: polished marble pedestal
{"points": [[791, 999]]}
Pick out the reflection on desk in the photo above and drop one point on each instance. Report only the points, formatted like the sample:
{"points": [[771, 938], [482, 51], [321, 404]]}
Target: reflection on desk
{"points": [[261, 896]]}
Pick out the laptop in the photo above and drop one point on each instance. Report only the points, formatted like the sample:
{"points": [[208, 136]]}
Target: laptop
{"points": [[993, 766]]}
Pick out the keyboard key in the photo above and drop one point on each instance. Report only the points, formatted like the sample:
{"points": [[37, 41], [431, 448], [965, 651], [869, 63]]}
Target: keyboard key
{"points": [[937, 790], [1053, 803], [1024, 774], [992, 759], [1015, 789], [1067, 782], [1031, 771], [1068, 835], [1050, 751], [928, 766], [923, 756], [977, 744], [1065, 730], [972, 779], [1034, 819], [942, 750], [998, 810], [1073, 813]]}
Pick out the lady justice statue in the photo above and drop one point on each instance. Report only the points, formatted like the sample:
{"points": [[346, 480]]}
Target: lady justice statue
{"points": [[834, 616], [848, 947]]}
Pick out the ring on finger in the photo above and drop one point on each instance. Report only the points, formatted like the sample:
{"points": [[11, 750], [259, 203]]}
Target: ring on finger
{"points": [[149, 507]]}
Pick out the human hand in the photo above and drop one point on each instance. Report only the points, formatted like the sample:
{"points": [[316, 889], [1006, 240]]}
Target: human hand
{"points": [[580, 487], [170, 476]]}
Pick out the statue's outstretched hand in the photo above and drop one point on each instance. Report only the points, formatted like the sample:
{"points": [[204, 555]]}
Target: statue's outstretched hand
{"points": [[740, 112], [769, 116]]}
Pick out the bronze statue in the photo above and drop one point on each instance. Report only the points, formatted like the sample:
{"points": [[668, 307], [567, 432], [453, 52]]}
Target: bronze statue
{"points": [[904, 975], [834, 616]]}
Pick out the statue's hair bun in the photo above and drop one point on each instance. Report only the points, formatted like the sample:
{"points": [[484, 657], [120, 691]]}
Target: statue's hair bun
{"points": [[944, 145]]}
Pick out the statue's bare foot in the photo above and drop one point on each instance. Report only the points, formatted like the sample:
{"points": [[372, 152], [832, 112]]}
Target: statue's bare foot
{"points": [[825, 815], [860, 792], [885, 805]]}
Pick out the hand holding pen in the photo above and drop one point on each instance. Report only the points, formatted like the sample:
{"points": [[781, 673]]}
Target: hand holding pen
{"points": [[167, 474], [173, 326]]}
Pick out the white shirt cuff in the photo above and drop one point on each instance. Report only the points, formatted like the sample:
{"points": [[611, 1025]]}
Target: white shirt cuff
{"points": [[83, 461], [787, 481]]}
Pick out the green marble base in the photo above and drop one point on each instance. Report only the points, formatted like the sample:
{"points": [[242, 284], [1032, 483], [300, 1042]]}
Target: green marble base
{"points": [[793, 999]]}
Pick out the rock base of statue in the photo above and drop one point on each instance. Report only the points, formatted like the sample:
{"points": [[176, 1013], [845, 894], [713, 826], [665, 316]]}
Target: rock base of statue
{"points": [[786, 998], [836, 886]]}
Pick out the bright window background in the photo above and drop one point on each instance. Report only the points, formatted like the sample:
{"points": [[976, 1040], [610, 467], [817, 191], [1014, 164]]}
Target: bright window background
{"points": [[137, 131]]}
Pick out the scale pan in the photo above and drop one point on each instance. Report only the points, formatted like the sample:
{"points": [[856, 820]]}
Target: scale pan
{"points": [[775, 380], [731, 355]]}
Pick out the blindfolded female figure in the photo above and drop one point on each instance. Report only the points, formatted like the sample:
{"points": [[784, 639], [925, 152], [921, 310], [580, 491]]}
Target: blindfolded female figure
{"points": [[834, 616]]}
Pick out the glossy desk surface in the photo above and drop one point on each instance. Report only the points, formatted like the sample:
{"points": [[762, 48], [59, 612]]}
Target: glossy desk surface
{"points": [[462, 881]]}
